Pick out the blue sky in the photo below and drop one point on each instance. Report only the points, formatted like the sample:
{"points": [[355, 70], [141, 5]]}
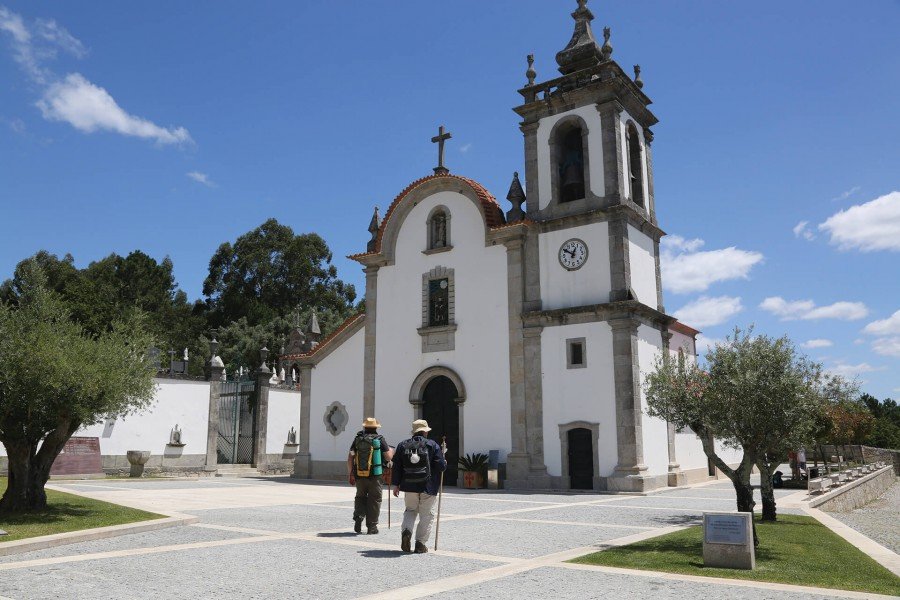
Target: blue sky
{"points": [[171, 127]]}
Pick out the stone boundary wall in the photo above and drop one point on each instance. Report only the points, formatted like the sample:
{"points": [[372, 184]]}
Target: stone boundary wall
{"points": [[856, 494]]}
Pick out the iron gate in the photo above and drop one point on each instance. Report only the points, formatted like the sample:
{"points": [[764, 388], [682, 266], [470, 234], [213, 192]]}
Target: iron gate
{"points": [[235, 441]]}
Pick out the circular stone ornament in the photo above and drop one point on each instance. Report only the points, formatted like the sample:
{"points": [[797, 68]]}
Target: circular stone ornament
{"points": [[573, 254]]}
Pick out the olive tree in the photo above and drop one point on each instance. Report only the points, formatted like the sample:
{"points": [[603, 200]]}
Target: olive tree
{"points": [[757, 395], [55, 378]]}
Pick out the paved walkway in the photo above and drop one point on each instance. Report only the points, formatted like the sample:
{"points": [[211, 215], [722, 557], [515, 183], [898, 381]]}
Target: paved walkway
{"points": [[280, 538]]}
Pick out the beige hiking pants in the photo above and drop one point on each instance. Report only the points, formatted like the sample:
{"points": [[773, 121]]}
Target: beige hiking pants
{"points": [[423, 506]]}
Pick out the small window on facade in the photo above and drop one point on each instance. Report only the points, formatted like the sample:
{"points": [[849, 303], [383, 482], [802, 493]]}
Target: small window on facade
{"points": [[438, 302], [570, 164], [635, 165], [576, 356]]}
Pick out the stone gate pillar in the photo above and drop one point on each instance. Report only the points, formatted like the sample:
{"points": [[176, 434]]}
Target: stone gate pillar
{"points": [[261, 412], [215, 370]]}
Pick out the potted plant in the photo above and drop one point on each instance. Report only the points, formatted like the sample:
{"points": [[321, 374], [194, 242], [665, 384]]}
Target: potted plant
{"points": [[473, 467]]}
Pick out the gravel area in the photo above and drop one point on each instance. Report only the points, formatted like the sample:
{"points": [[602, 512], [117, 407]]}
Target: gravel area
{"points": [[879, 520]]}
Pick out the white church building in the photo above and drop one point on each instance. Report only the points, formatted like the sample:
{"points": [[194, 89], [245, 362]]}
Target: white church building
{"points": [[528, 331]]}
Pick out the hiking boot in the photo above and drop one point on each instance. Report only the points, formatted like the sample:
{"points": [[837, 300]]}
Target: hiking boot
{"points": [[405, 540], [372, 530], [421, 548], [357, 525]]}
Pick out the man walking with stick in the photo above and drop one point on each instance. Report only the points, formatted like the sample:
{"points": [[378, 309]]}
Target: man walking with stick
{"points": [[418, 465]]}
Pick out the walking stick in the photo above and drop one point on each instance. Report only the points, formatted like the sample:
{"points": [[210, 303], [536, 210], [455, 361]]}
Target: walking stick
{"points": [[437, 529], [390, 478]]}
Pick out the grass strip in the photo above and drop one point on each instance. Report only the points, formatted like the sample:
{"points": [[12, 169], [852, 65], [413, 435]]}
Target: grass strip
{"points": [[796, 549], [66, 512]]}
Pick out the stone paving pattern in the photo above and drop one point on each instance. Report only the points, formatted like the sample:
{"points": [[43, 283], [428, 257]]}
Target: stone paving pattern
{"points": [[279, 538], [879, 520]]}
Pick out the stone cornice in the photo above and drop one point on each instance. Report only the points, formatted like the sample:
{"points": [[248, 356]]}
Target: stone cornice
{"points": [[593, 313]]}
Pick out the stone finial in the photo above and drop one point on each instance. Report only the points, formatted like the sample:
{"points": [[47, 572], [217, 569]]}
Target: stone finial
{"points": [[637, 76], [213, 347], [312, 328], [374, 226], [582, 51], [607, 48], [531, 74], [263, 355], [516, 196]]}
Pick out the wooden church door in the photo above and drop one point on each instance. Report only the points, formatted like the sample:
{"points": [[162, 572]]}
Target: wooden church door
{"points": [[440, 409], [581, 459]]}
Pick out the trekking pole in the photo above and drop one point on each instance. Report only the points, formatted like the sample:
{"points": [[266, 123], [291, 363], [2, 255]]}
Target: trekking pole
{"points": [[437, 529], [390, 479]]}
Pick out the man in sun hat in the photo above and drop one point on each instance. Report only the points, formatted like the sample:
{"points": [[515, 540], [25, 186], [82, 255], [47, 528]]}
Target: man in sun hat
{"points": [[417, 473], [369, 457]]}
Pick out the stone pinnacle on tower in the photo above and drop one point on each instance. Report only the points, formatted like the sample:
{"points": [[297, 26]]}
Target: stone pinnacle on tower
{"points": [[582, 51], [374, 226], [516, 196]]}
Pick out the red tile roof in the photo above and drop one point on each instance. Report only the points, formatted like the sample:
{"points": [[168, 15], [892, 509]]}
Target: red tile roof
{"points": [[493, 214], [684, 329]]}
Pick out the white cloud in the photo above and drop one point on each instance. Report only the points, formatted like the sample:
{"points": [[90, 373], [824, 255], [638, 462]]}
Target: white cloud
{"points": [[465, 148], [74, 99], [17, 125], [706, 311], [688, 269], [889, 326], [874, 225], [90, 108], [705, 344], [808, 311], [887, 346], [803, 230], [847, 194], [817, 343], [201, 178], [851, 371]]}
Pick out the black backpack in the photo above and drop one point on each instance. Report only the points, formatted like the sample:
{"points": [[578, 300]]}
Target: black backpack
{"points": [[416, 461]]}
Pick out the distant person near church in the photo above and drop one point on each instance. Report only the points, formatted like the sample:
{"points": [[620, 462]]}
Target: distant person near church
{"points": [[417, 472], [369, 456]]}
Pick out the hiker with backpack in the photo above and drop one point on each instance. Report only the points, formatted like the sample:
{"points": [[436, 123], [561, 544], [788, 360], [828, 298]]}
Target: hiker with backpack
{"points": [[369, 457], [418, 464]]}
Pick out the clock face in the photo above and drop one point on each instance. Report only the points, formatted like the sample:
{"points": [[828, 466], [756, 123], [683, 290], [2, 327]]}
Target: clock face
{"points": [[573, 254]]}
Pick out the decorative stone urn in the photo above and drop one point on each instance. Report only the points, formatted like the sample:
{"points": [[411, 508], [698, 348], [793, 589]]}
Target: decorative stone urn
{"points": [[138, 458]]}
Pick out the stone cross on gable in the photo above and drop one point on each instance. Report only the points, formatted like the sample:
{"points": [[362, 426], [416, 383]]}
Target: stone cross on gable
{"points": [[439, 139]]}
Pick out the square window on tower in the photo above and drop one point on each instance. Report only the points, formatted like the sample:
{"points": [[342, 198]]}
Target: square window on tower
{"points": [[576, 355]]}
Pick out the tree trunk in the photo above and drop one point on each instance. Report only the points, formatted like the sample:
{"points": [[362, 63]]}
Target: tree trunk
{"points": [[29, 469], [767, 491]]}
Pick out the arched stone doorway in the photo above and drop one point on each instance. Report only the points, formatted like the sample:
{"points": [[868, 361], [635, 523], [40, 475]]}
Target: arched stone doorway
{"points": [[438, 396]]}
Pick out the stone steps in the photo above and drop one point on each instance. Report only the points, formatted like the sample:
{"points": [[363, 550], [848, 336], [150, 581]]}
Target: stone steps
{"points": [[236, 471]]}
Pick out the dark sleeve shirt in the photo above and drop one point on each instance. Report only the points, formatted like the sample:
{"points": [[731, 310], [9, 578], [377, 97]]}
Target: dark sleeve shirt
{"points": [[438, 465]]}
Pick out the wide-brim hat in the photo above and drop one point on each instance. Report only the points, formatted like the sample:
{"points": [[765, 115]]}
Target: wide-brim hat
{"points": [[371, 422], [420, 425]]}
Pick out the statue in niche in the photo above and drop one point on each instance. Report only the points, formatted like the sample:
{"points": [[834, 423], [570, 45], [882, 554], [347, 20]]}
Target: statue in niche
{"points": [[439, 230], [175, 437]]}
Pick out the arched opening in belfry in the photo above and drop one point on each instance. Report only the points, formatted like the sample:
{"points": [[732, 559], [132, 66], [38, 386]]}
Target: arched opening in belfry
{"points": [[570, 163], [635, 165]]}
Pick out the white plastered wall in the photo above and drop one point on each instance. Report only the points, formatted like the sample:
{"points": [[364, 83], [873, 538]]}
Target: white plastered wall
{"points": [[284, 413], [338, 377], [185, 403], [586, 394], [591, 283], [643, 266], [595, 151], [654, 431], [481, 355]]}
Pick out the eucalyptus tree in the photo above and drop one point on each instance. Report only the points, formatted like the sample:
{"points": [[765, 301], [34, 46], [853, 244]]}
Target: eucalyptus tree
{"points": [[55, 378]]}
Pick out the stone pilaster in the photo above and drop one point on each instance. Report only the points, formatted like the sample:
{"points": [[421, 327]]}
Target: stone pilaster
{"points": [[214, 372], [534, 409], [532, 200], [369, 349], [261, 417], [613, 160], [630, 470], [303, 459], [676, 476], [619, 259], [651, 202], [517, 459], [660, 306]]}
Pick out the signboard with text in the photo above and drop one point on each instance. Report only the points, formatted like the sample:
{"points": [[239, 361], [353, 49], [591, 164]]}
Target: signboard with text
{"points": [[728, 540], [80, 456]]}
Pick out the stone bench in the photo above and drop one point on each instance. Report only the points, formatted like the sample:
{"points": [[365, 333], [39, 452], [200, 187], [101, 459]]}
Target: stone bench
{"points": [[819, 485], [841, 477]]}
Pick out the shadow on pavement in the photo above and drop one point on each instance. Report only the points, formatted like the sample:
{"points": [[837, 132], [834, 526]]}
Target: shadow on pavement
{"points": [[382, 553], [338, 534]]}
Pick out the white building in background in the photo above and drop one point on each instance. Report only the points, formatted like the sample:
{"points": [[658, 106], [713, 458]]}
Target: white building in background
{"points": [[528, 332]]}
